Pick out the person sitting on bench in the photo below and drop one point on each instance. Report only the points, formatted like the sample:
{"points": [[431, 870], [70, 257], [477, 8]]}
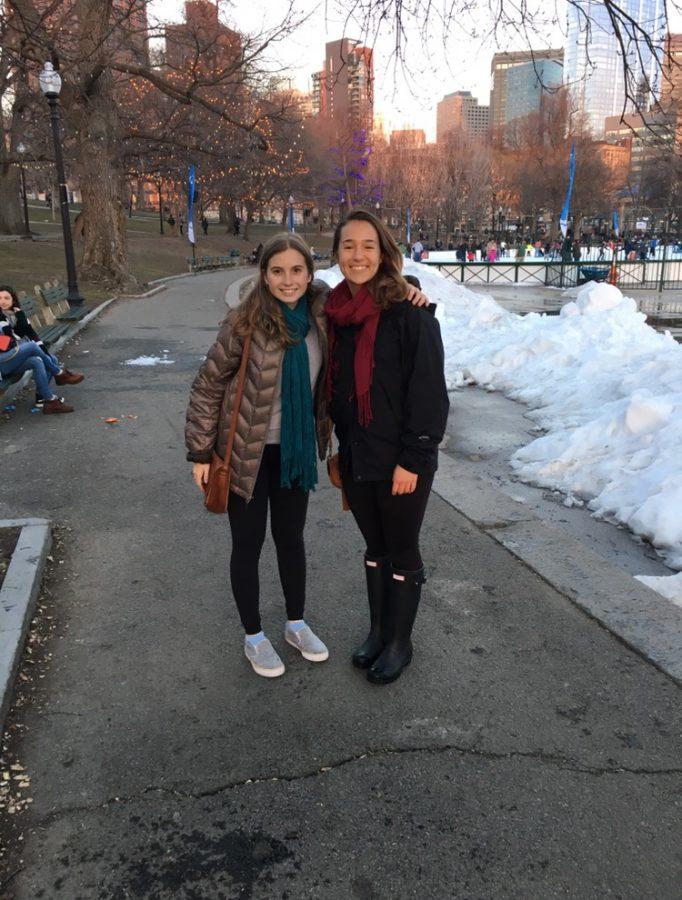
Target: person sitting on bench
{"points": [[21, 350]]}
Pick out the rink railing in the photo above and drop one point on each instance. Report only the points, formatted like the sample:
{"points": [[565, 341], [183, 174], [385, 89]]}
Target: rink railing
{"points": [[652, 274]]}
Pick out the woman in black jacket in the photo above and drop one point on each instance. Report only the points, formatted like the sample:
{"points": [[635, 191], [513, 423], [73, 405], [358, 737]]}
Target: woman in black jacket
{"points": [[389, 405]]}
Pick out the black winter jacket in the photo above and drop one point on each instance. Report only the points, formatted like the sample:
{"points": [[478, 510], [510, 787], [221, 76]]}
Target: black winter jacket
{"points": [[21, 329], [408, 396]]}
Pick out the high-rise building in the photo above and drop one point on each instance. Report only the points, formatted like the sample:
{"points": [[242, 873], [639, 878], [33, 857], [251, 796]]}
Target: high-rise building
{"points": [[594, 64], [650, 135], [201, 42], [671, 88], [531, 72], [528, 84], [344, 90], [460, 111]]}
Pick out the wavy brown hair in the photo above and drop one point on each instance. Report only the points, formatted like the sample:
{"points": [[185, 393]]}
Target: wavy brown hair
{"points": [[388, 285], [259, 309]]}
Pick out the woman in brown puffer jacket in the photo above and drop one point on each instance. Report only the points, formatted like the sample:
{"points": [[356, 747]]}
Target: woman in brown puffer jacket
{"points": [[282, 421]]}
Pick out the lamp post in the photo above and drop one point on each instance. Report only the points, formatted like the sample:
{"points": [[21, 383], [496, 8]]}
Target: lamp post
{"points": [[377, 207], [51, 85], [21, 149]]}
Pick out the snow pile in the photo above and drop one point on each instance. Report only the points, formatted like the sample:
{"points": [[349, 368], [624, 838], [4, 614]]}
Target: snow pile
{"points": [[668, 586], [149, 360], [604, 387]]}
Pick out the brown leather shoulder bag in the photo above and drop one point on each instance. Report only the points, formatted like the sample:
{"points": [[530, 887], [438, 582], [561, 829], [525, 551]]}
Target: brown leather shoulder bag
{"points": [[217, 489]]}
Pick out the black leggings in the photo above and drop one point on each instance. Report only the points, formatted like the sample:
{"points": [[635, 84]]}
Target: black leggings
{"points": [[390, 525], [288, 507]]}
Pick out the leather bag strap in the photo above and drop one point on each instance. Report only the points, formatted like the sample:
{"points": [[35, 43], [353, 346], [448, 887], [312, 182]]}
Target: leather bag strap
{"points": [[241, 378]]}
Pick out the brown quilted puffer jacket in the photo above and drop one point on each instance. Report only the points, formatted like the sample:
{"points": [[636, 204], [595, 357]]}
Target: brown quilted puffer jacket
{"points": [[213, 392]]}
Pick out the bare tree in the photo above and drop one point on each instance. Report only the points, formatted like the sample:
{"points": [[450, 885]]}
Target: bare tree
{"points": [[99, 47], [517, 21]]}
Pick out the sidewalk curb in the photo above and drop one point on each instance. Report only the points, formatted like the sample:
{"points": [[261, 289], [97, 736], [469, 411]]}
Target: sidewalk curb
{"points": [[636, 615], [193, 274], [18, 599], [233, 293], [151, 293]]}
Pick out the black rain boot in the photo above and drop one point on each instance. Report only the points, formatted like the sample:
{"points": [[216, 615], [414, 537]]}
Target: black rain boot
{"points": [[403, 602], [378, 586]]}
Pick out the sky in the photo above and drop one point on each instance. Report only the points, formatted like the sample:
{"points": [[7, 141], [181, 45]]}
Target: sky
{"points": [[407, 95]]}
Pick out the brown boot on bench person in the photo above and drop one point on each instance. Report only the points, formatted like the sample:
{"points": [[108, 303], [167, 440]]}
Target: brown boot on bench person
{"points": [[67, 377], [56, 405]]}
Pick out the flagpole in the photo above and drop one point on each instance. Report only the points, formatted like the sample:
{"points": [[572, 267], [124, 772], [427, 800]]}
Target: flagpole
{"points": [[190, 212]]}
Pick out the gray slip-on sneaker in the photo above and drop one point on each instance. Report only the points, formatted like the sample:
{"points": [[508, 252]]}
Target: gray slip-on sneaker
{"points": [[264, 658], [307, 643]]}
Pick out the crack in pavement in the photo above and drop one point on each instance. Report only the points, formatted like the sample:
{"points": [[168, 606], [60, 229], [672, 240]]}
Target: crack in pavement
{"points": [[555, 759]]}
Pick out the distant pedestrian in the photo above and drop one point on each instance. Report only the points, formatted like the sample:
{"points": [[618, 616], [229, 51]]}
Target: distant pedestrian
{"points": [[204, 225], [417, 250], [236, 225]]}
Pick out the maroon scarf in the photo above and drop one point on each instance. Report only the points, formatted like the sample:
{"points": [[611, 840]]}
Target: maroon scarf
{"points": [[344, 309]]}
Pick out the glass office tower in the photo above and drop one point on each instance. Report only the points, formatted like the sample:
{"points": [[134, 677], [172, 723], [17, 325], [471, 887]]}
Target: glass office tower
{"points": [[593, 62]]}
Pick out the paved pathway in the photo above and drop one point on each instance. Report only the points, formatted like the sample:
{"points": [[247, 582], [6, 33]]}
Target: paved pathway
{"points": [[526, 753]]}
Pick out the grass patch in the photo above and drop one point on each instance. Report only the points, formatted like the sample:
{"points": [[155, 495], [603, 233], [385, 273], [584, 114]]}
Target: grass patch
{"points": [[23, 264]]}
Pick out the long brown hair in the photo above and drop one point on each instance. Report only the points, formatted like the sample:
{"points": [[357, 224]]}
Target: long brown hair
{"points": [[388, 285], [259, 310]]}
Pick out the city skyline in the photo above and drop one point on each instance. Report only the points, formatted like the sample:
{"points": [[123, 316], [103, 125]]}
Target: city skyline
{"points": [[401, 102]]}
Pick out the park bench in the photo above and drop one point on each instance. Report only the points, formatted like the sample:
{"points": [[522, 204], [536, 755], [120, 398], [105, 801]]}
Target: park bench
{"points": [[56, 297], [48, 331], [204, 263]]}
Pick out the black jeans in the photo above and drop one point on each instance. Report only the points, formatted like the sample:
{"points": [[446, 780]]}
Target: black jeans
{"points": [[288, 508], [390, 525]]}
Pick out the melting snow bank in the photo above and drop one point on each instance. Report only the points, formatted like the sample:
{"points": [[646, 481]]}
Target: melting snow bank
{"points": [[604, 387], [669, 586]]}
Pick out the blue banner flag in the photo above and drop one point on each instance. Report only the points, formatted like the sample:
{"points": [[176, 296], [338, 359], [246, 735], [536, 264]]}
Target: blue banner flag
{"points": [[616, 223], [563, 221], [190, 206], [409, 228]]}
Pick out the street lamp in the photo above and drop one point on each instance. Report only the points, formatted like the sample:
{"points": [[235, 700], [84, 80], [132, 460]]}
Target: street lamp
{"points": [[21, 149], [377, 206], [51, 85]]}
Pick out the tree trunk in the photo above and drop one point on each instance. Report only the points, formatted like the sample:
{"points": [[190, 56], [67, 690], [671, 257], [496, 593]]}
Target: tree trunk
{"points": [[247, 220], [11, 213], [96, 126]]}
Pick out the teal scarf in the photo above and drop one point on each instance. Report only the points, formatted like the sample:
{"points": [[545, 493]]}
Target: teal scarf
{"points": [[297, 440]]}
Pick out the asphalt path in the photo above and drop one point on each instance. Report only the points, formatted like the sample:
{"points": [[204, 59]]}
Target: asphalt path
{"points": [[526, 753]]}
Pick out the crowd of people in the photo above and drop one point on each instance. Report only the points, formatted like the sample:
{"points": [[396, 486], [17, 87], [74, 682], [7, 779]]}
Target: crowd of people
{"points": [[591, 247]]}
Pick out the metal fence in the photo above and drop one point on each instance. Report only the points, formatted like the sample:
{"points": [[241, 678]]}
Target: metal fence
{"points": [[653, 274]]}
